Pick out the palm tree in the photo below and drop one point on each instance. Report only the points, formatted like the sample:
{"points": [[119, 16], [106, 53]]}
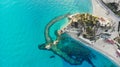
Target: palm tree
{"points": [[83, 22]]}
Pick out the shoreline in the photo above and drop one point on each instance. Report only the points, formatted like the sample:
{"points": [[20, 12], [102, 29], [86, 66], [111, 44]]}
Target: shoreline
{"points": [[116, 61], [100, 10]]}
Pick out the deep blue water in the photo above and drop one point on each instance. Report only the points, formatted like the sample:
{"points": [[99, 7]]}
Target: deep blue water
{"points": [[22, 24]]}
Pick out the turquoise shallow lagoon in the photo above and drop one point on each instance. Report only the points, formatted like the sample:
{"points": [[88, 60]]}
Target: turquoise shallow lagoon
{"points": [[22, 24], [85, 52]]}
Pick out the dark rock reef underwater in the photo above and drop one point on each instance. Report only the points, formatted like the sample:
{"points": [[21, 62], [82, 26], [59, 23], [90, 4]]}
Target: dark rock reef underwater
{"points": [[71, 50], [67, 48]]}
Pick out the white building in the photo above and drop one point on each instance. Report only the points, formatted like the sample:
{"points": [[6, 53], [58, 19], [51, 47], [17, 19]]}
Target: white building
{"points": [[105, 22]]}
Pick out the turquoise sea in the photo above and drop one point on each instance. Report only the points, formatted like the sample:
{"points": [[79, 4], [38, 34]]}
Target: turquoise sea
{"points": [[22, 24]]}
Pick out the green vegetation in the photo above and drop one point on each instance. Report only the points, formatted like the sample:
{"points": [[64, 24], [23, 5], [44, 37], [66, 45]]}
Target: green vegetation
{"points": [[114, 7], [89, 23]]}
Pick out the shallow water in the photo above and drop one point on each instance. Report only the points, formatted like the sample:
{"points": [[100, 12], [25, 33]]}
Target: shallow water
{"points": [[22, 24], [98, 59]]}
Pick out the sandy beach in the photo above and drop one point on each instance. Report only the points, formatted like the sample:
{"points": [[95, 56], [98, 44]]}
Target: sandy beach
{"points": [[109, 50], [104, 48], [100, 10]]}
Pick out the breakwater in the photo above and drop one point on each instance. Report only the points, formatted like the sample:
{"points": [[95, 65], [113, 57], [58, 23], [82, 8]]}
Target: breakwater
{"points": [[66, 55], [47, 28]]}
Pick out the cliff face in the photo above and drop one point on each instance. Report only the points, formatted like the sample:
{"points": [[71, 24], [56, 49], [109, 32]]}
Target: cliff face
{"points": [[110, 1]]}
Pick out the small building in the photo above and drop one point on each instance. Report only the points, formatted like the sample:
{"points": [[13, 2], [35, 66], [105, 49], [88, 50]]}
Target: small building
{"points": [[104, 22]]}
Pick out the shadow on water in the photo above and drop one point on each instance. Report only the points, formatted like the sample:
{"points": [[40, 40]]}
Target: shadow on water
{"points": [[67, 48]]}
